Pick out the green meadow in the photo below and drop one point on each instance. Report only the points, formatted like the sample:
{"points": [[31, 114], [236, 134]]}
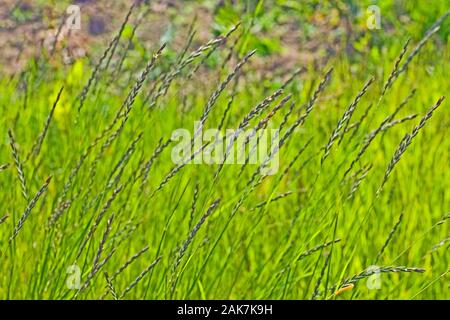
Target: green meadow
{"points": [[92, 205]]}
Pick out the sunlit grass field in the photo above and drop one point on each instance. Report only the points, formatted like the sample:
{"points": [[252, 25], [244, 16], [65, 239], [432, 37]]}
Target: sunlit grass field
{"points": [[93, 207]]}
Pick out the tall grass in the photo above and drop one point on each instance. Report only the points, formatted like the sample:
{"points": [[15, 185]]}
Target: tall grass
{"points": [[137, 226]]}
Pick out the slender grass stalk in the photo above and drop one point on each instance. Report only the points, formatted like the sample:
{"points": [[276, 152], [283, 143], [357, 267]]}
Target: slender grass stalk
{"points": [[136, 25], [139, 278], [389, 238], [393, 75], [309, 252], [430, 284], [29, 208], [406, 141], [18, 163], [129, 262], [188, 241], [36, 149], [428, 34], [110, 287], [146, 169], [358, 180], [193, 232], [212, 44], [4, 218], [58, 33], [102, 242], [98, 67], [262, 124], [299, 121], [375, 270], [280, 196], [99, 217], [355, 126], [343, 121], [382, 127], [316, 291], [213, 99], [308, 109], [94, 272], [193, 206]]}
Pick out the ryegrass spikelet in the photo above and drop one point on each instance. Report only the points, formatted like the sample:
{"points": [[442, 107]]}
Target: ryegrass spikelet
{"points": [[99, 218], [126, 155], [355, 126], [343, 121], [193, 205], [3, 219], [175, 169], [428, 34], [129, 100], [188, 241], [299, 121], [206, 111], [226, 111], [139, 278], [259, 108], [36, 149], [393, 123], [316, 248], [146, 169], [125, 266], [440, 244], [316, 291], [110, 286], [129, 262], [376, 270], [29, 208], [261, 124], [255, 111], [286, 116], [390, 236], [131, 39], [385, 124], [212, 100], [18, 163], [194, 231], [127, 104], [116, 39], [278, 197], [406, 141], [58, 33], [98, 67], [308, 108], [393, 75], [358, 180], [212, 44], [93, 272], [102, 242]]}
